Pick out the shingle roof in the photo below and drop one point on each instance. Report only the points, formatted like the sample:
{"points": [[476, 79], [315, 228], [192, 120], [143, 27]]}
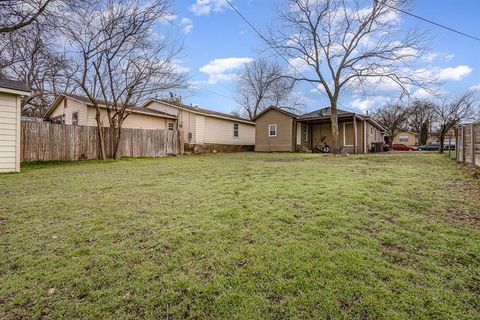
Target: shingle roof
{"points": [[14, 85], [103, 102], [205, 111], [323, 112]]}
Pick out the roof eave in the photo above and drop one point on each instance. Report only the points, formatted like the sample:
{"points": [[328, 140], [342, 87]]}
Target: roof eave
{"points": [[197, 112], [15, 91]]}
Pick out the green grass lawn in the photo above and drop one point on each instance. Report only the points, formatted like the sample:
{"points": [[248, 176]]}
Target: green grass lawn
{"points": [[241, 236]]}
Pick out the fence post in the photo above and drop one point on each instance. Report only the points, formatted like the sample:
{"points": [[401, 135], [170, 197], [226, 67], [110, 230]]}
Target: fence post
{"points": [[473, 143], [463, 143]]}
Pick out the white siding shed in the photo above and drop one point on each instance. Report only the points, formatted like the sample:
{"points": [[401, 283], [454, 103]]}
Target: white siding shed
{"points": [[10, 112]]}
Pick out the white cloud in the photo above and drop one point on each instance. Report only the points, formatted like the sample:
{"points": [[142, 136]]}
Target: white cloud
{"points": [[368, 103], [186, 24], [431, 56], [205, 7], [177, 65], [476, 87], [168, 18], [296, 65], [454, 74], [223, 69]]}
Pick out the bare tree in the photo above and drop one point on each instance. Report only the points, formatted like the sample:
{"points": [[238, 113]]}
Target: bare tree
{"points": [[120, 60], [339, 45], [393, 118], [262, 84], [29, 55], [17, 14], [420, 116], [450, 112]]}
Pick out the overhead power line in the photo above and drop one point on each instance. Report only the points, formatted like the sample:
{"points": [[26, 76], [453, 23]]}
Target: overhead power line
{"points": [[433, 22], [279, 54]]}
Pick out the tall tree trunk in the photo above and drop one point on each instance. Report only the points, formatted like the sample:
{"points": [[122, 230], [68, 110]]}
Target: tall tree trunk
{"points": [[424, 133], [118, 136], [100, 136], [442, 141], [390, 142], [336, 148]]}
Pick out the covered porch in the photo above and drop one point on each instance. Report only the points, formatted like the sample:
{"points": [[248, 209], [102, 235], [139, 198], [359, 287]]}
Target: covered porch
{"points": [[352, 131]]}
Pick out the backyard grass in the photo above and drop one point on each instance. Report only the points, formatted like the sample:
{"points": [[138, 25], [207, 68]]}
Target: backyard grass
{"points": [[241, 236]]}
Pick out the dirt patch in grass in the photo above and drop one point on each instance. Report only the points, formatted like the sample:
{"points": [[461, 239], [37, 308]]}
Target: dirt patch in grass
{"points": [[471, 170], [289, 159]]}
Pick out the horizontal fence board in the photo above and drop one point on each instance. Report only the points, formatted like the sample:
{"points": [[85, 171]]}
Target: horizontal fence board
{"points": [[46, 141]]}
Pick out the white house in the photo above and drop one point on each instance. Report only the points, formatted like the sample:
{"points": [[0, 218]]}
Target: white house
{"points": [[206, 130], [10, 113]]}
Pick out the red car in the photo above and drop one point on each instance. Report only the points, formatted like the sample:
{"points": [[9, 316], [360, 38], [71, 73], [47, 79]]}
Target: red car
{"points": [[403, 147]]}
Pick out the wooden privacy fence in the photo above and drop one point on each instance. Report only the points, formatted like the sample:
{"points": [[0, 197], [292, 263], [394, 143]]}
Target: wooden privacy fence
{"points": [[468, 143], [46, 141]]}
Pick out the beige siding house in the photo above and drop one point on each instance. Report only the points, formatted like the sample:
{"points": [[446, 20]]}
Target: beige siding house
{"points": [[207, 130], [406, 137], [10, 113], [77, 110], [204, 130], [279, 130]]}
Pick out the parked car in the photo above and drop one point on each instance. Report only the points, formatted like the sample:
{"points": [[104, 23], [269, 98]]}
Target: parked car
{"points": [[446, 147], [428, 147], [403, 147]]}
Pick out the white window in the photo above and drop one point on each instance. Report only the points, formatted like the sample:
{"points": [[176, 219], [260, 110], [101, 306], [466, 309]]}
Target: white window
{"points": [[235, 130], [170, 126], [272, 130], [305, 133], [403, 138]]}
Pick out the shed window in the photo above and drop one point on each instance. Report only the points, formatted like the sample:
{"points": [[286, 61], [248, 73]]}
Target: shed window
{"points": [[272, 130], [235, 130], [75, 118], [170, 126], [403, 138]]}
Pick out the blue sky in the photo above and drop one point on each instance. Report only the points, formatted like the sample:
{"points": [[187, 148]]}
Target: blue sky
{"points": [[218, 42]]}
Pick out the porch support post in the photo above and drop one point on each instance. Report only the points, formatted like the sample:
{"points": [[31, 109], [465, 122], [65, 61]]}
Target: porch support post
{"points": [[294, 135], [355, 142], [364, 136]]}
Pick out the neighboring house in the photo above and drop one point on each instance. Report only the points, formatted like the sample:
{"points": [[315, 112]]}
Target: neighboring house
{"points": [[78, 110], [10, 128], [279, 130], [406, 137], [206, 130]]}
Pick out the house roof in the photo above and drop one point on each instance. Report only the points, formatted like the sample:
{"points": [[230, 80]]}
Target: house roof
{"points": [[199, 110], [103, 104], [14, 85], [277, 109], [324, 113], [320, 114]]}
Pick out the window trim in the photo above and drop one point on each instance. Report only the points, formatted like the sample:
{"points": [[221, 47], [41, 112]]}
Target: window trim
{"points": [[273, 125], [75, 114], [172, 125], [403, 138], [236, 130]]}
